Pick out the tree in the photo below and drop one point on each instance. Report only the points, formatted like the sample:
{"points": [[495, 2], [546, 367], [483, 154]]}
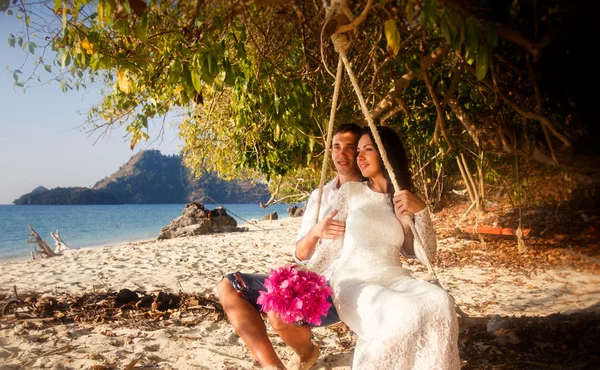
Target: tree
{"points": [[253, 79]]}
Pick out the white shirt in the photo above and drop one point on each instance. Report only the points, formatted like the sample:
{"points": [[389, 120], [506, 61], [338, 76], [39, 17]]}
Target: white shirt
{"points": [[328, 204]]}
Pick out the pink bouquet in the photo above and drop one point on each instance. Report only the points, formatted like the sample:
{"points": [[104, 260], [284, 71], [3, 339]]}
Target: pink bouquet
{"points": [[295, 295]]}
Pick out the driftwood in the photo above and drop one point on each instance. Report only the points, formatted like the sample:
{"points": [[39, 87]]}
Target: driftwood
{"points": [[60, 244], [35, 238]]}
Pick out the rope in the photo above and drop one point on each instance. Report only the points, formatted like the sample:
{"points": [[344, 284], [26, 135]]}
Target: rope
{"points": [[246, 221], [336, 92]]}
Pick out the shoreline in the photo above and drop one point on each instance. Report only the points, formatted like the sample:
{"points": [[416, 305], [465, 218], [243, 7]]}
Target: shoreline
{"points": [[70, 250], [143, 263], [249, 224]]}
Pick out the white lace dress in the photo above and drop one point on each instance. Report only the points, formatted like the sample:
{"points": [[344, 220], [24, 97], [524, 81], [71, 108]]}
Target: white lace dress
{"points": [[401, 322]]}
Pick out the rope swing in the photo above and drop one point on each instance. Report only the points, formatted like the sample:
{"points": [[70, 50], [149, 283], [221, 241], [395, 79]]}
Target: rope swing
{"points": [[341, 43]]}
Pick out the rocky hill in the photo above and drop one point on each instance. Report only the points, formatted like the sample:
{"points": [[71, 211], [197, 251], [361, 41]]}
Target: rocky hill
{"points": [[150, 177], [41, 195]]}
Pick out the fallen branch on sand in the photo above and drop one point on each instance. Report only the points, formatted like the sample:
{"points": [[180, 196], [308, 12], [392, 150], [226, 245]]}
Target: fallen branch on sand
{"points": [[60, 244], [35, 238]]}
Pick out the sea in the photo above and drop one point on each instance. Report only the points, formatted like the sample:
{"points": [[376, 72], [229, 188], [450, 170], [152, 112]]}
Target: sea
{"points": [[82, 226]]}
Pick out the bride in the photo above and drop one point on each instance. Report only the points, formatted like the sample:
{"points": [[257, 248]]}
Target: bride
{"points": [[401, 322]]}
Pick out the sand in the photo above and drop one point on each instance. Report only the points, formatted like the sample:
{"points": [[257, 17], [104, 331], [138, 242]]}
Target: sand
{"points": [[196, 264]]}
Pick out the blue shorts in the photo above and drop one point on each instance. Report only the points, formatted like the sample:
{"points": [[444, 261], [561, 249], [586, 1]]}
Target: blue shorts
{"points": [[249, 287]]}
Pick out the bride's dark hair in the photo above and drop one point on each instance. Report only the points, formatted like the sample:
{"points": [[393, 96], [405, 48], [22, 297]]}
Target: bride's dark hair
{"points": [[395, 153]]}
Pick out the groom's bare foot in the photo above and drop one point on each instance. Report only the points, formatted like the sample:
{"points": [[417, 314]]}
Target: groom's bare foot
{"points": [[304, 363]]}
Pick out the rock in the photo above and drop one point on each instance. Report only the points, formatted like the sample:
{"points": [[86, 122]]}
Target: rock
{"points": [[197, 220], [497, 322], [126, 296], [296, 211], [270, 216], [165, 301], [193, 230], [146, 301], [165, 234]]}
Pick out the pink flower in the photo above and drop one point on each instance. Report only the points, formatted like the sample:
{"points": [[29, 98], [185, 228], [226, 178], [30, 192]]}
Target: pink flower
{"points": [[295, 295]]}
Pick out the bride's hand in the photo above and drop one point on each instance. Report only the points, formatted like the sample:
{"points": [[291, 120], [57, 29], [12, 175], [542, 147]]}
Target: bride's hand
{"points": [[407, 203]]}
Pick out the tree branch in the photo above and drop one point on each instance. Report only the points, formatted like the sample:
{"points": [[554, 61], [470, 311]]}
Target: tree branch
{"points": [[527, 114], [440, 124], [357, 21], [403, 82]]}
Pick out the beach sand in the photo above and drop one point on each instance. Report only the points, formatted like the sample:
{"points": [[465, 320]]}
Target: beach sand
{"points": [[195, 265]]}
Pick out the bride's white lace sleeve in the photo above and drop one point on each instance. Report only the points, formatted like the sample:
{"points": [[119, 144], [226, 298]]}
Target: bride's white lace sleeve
{"points": [[426, 233], [328, 249]]}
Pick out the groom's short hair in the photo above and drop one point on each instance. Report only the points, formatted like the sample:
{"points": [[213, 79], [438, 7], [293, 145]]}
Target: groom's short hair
{"points": [[347, 127]]}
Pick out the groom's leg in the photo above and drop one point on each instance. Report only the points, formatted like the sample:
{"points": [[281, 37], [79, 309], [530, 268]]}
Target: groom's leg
{"points": [[296, 337], [246, 320]]}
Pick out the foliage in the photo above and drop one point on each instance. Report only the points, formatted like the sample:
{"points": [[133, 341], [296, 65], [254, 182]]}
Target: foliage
{"points": [[251, 82]]}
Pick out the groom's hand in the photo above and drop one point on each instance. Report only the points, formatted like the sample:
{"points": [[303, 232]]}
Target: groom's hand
{"points": [[328, 228]]}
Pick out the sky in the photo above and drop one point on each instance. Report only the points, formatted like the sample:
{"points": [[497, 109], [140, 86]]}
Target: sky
{"points": [[41, 142]]}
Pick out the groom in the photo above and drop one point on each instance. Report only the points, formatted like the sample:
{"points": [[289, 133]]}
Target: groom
{"points": [[238, 291]]}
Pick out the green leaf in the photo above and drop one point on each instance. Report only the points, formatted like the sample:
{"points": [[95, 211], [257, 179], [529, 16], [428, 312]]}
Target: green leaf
{"points": [[11, 40], [123, 27], [66, 59], [48, 68], [429, 12], [207, 76], [410, 12], [470, 55], [64, 15], [482, 63], [229, 75], [196, 81], [446, 29], [392, 36], [188, 83], [32, 47], [277, 133], [473, 34], [475, 95], [213, 66], [241, 52], [141, 30], [456, 30]]}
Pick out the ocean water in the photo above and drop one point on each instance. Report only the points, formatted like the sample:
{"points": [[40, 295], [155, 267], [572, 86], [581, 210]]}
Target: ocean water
{"points": [[98, 225]]}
